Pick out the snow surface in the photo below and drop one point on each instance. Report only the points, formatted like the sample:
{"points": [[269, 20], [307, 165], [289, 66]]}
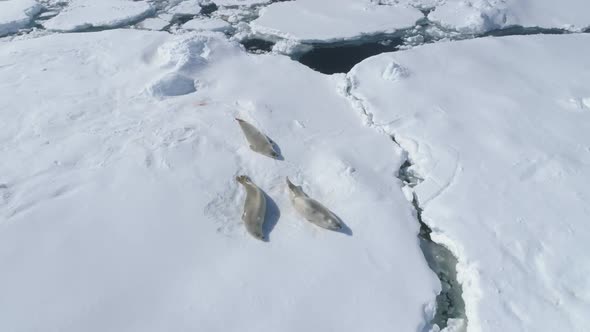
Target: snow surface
{"points": [[16, 14], [500, 130], [84, 14], [332, 20], [119, 210], [483, 15], [206, 23]]}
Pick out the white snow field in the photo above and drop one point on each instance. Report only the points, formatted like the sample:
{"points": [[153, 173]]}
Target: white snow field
{"points": [[119, 210], [499, 128], [332, 20], [16, 14], [478, 16], [84, 14]]}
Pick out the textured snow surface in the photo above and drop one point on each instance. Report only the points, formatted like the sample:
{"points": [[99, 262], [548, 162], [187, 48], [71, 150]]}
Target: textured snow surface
{"points": [[84, 14], [16, 14], [213, 24], [500, 130], [331, 20], [483, 15], [119, 210]]}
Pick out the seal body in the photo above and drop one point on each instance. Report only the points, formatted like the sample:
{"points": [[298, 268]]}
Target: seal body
{"points": [[254, 207], [257, 140], [312, 210]]}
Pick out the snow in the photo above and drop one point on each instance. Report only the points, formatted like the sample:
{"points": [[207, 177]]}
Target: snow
{"points": [[205, 23], [332, 20], [16, 14], [483, 15], [84, 14], [500, 131], [119, 209], [153, 23]]}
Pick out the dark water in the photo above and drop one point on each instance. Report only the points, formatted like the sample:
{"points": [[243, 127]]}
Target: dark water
{"points": [[449, 302], [330, 59], [208, 9], [257, 45], [523, 31]]}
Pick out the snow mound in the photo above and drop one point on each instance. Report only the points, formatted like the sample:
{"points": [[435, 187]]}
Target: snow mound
{"points": [[211, 24], [332, 20], [172, 84], [506, 167], [108, 14], [394, 72], [16, 14]]}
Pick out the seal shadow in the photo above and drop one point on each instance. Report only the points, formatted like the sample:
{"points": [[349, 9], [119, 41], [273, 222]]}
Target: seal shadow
{"points": [[273, 215], [276, 147]]}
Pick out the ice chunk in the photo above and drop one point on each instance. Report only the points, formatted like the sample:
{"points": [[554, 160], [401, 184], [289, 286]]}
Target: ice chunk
{"points": [[506, 168], [332, 20], [206, 23], [186, 8], [84, 14], [154, 23], [483, 15], [16, 14]]}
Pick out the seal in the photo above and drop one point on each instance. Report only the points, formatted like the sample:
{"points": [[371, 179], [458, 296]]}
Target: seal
{"points": [[258, 141], [312, 210], [254, 207]]}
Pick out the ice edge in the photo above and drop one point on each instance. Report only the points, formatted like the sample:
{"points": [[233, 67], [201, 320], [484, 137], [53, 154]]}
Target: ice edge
{"points": [[451, 304]]}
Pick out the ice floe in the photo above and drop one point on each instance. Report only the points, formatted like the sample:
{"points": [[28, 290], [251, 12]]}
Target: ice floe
{"points": [[118, 204], [108, 14], [505, 155]]}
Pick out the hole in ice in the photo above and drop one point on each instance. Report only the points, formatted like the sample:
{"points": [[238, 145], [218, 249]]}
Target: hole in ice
{"points": [[523, 31], [334, 58], [257, 45], [208, 9]]}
